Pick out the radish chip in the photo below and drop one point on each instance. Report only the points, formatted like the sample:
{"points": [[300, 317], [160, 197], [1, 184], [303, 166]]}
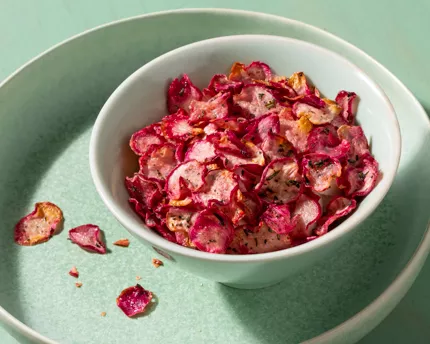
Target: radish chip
{"points": [[281, 182], [134, 300], [181, 93], [88, 237], [321, 170], [38, 226], [253, 163], [212, 232], [337, 208]]}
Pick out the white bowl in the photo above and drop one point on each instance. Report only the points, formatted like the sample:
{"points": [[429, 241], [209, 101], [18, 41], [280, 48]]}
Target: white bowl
{"points": [[140, 100]]}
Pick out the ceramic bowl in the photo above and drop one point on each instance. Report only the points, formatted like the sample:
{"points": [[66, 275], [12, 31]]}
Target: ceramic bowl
{"points": [[140, 100]]}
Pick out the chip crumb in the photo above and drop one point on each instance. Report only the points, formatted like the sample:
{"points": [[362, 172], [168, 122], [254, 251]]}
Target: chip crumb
{"points": [[78, 284], [103, 314], [122, 242], [74, 272], [138, 278], [157, 262]]}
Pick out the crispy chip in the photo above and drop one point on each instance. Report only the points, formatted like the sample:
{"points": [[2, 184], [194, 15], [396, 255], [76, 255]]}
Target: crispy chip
{"points": [[145, 139], [321, 171], [158, 163], [181, 93], [88, 237], [325, 140], [307, 210], [256, 101], [122, 242], [134, 300], [212, 232], [38, 226], [188, 176], [337, 208], [74, 272], [278, 218], [347, 101]]}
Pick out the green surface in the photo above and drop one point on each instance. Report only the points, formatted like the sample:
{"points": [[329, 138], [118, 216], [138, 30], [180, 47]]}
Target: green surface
{"points": [[395, 40]]}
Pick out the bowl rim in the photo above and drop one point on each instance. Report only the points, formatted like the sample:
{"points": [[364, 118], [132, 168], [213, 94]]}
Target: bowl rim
{"points": [[407, 275], [161, 243]]}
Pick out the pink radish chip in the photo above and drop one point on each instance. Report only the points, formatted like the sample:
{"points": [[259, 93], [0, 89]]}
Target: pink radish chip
{"points": [[256, 101], [321, 171], [220, 186], [307, 210], [38, 226], [277, 147], [299, 84], [212, 232], [215, 108], [177, 128], [202, 151], [221, 83], [295, 131], [258, 71], [359, 181], [145, 139], [278, 218], [181, 93], [248, 179], [252, 207], [186, 176], [357, 140], [337, 208], [134, 300], [262, 128], [180, 219], [145, 191], [89, 237], [259, 240], [347, 101], [281, 182], [159, 163], [325, 140], [315, 112]]}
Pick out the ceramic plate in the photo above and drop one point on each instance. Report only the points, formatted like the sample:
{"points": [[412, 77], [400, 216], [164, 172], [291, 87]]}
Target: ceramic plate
{"points": [[46, 113]]}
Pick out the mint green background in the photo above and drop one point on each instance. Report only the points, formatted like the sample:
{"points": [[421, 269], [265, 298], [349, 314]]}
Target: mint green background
{"points": [[395, 34]]}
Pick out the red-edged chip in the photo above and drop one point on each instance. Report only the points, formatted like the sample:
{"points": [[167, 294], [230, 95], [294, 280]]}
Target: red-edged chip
{"points": [[277, 147], [186, 176], [159, 163], [248, 177], [258, 71], [176, 127], [321, 171], [220, 186], [236, 153], [183, 239], [232, 211], [181, 93], [133, 300], [146, 139], [236, 124], [248, 240], [215, 108], [212, 232], [337, 208], [221, 83], [238, 72], [325, 140], [89, 237], [347, 101], [360, 180], [295, 131], [317, 111], [180, 219], [74, 272], [202, 151], [278, 218], [39, 225], [252, 206], [299, 84], [307, 210], [145, 191], [262, 127], [256, 101], [280, 182], [357, 140]]}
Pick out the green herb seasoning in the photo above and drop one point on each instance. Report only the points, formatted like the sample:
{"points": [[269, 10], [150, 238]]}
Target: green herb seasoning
{"points": [[270, 104], [273, 175]]}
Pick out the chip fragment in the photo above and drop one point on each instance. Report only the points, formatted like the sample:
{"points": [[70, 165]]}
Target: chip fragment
{"points": [[134, 300], [88, 237]]}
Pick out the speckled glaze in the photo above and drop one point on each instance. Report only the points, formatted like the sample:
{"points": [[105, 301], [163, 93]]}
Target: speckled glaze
{"points": [[141, 101], [46, 113]]}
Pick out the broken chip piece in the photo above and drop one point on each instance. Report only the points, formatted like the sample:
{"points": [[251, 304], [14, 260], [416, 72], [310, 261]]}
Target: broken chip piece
{"points": [[157, 262], [39, 225], [122, 242], [88, 237], [134, 300], [74, 272]]}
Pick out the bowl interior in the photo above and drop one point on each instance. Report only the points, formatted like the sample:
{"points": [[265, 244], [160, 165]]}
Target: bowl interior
{"points": [[141, 100]]}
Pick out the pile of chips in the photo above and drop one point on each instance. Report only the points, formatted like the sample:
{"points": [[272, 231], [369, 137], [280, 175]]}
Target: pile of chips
{"points": [[253, 163]]}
